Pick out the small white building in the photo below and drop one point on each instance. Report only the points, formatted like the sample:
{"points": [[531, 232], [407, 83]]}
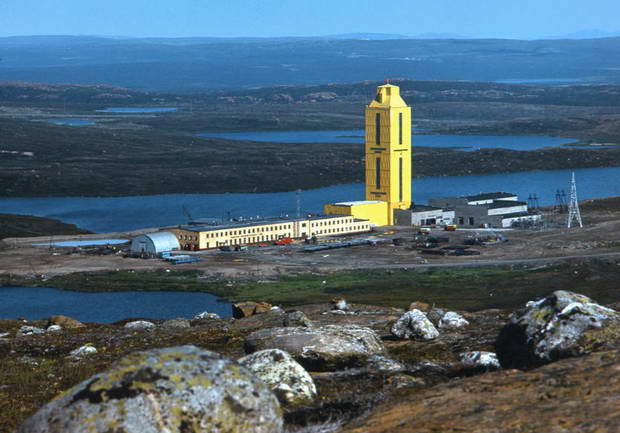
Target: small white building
{"points": [[155, 243]]}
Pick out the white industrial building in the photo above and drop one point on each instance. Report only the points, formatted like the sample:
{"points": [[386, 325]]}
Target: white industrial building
{"points": [[155, 243]]}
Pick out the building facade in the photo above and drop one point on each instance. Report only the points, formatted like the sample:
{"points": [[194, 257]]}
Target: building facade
{"points": [[200, 237]]}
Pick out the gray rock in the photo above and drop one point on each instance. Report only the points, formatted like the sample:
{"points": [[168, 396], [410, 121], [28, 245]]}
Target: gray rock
{"points": [[290, 382], [322, 348], [414, 325], [297, 318], [383, 364], [176, 323], [140, 324], [206, 315], [561, 325], [53, 328], [83, 352], [435, 315], [478, 359], [181, 389], [339, 304], [452, 320], [29, 330]]}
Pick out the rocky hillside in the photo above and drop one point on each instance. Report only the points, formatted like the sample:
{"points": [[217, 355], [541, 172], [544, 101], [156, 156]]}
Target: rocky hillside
{"points": [[18, 226], [319, 368]]}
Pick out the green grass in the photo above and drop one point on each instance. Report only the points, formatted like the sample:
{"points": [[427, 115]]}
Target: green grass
{"points": [[464, 288]]}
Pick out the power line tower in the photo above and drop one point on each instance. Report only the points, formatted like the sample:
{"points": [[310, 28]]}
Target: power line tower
{"points": [[560, 201], [532, 201], [573, 207]]}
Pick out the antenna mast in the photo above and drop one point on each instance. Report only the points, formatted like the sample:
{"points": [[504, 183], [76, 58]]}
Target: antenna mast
{"points": [[298, 202], [573, 207]]}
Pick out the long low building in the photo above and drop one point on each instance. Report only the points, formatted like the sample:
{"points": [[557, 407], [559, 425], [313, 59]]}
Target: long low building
{"points": [[200, 237]]}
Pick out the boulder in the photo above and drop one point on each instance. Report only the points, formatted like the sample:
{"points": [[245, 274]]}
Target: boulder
{"points": [[180, 389], [452, 320], [435, 315], [382, 364], [561, 325], [140, 324], [206, 315], [290, 382], [53, 328], [414, 325], [478, 359], [176, 323], [419, 305], [29, 330], [322, 348], [339, 304], [249, 308], [83, 352], [297, 318], [65, 322]]}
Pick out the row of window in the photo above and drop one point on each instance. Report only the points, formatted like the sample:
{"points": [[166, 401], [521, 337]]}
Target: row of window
{"points": [[331, 222]]}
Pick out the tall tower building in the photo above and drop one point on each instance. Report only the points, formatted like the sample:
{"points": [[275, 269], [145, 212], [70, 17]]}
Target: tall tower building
{"points": [[388, 150], [388, 160]]}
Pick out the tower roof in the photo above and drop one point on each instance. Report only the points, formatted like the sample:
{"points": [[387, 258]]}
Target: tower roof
{"points": [[388, 95]]}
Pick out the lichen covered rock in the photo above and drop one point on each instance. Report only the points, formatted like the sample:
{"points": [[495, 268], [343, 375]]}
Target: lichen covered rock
{"points": [[414, 325], [479, 359], [83, 352], [181, 389], [322, 348], [176, 323], [29, 330], [140, 324], [561, 325], [206, 315], [287, 378], [297, 318], [65, 322], [452, 320], [249, 308]]}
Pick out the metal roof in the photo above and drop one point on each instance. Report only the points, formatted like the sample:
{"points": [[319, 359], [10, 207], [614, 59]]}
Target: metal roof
{"points": [[255, 222], [490, 196], [498, 204], [163, 241], [357, 203]]}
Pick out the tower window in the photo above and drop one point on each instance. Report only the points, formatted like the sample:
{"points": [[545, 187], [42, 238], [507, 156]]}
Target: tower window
{"points": [[378, 128], [400, 179], [400, 128], [378, 172]]}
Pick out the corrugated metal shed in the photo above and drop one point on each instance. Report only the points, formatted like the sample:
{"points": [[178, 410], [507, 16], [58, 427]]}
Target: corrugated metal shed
{"points": [[155, 243]]}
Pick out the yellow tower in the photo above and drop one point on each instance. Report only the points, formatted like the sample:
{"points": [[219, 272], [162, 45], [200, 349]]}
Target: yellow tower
{"points": [[388, 150]]}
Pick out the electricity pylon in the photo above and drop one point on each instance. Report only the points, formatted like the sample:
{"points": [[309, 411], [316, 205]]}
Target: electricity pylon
{"points": [[573, 207]]}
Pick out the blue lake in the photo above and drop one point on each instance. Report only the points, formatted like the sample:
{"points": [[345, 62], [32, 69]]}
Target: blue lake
{"points": [[129, 213], [35, 303], [85, 243], [463, 142], [548, 81], [138, 110], [72, 122]]}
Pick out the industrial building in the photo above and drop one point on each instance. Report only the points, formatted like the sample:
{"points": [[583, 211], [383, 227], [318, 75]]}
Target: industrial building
{"points": [[199, 237], [388, 160], [155, 243], [496, 209]]}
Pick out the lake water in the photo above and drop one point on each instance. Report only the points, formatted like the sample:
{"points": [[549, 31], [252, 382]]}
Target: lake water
{"points": [[130, 213], [462, 142], [138, 110], [72, 122], [35, 303], [547, 81]]}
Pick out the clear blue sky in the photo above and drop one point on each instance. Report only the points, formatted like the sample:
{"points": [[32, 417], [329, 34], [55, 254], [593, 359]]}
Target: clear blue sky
{"points": [[173, 18]]}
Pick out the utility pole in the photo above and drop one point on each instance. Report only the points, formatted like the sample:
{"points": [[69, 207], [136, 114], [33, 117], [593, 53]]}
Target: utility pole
{"points": [[298, 202], [573, 208]]}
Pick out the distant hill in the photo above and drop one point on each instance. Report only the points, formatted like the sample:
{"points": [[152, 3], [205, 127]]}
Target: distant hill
{"points": [[187, 64]]}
